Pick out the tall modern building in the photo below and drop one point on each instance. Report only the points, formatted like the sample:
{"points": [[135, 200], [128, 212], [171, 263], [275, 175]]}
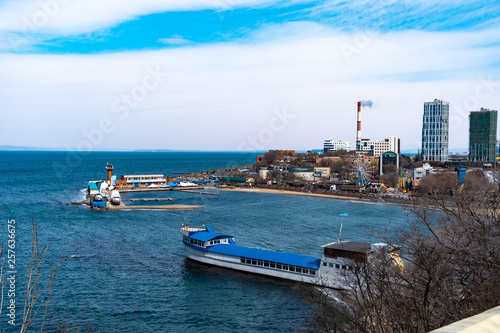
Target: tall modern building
{"points": [[435, 131], [483, 135]]}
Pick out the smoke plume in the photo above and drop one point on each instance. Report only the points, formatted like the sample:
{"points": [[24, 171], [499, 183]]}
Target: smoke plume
{"points": [[367, 103]]}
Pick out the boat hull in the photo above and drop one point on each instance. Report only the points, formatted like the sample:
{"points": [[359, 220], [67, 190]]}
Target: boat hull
{"points": [[100, 204], [233, 262]]}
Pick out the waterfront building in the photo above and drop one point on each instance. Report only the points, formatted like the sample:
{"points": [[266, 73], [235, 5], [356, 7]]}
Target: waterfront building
{"points": [[419, 173], [129, 181], [322, 172], [435, 131], [332, 145], [482, 135], [377, 148]]}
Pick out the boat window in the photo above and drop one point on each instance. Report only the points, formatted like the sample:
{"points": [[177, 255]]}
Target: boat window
{"points": [[272, 264], [266, 263], [298, 269], [248, 261], [344, 267], [312, 272], [305, 271], [260, 263], [242, 260], [324, 264], [337, 266], [254, 261], [292, 268], [278, 266], [330, 265], [285, 267]]}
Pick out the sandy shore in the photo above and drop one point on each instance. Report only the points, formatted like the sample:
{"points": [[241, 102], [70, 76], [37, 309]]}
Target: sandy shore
{"points": [[309, 194]]}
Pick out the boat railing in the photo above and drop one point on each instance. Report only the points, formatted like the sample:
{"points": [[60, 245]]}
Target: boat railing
{"points": [[186, 230], [190, 229]]}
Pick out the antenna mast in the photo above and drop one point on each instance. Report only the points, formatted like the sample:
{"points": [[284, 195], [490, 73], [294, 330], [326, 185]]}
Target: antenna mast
{"points": [[341, 223]]}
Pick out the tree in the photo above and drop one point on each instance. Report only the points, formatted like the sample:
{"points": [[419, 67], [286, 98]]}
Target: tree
{"points": [[270, 157], [340, 166], [405, 162], [37, 306], [391, 175], [391, 179], [439, 184], [451, 251]]}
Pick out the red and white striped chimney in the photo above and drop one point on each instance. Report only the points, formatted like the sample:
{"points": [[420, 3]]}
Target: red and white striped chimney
{"points": [[358, 133]]}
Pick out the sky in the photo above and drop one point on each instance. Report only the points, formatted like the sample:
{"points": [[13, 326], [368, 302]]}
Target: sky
{"points": [[211, 75]]}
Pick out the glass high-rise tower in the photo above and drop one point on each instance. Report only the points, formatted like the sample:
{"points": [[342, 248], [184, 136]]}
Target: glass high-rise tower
{"points": [[435, 131], [482, 135]]}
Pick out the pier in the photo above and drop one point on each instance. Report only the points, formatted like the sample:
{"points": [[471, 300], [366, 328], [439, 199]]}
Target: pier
{"points": [[198, 192], [149, 199], [122, 206], [159, 207]]}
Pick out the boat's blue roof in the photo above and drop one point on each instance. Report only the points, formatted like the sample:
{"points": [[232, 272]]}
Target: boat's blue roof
{"points": [[268, 255], [207, 235]]}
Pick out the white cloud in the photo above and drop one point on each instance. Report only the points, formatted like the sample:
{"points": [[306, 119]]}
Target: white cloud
{"points": [[174, 40], [217, 96], [82, 16]]}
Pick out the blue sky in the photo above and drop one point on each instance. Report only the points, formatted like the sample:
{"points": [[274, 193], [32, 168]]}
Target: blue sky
{"points": [[240, 74]]}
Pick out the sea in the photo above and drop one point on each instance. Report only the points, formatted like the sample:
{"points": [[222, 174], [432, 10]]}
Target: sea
{"points": [[126, 270]]}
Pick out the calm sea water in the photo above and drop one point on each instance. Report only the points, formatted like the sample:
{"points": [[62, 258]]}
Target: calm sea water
{"points": [[127, 269]]}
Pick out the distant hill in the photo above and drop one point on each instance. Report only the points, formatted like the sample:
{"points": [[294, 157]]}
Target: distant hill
{"points": [[25, 148]]}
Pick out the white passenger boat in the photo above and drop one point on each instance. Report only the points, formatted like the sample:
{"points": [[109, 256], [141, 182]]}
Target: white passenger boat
{"points": [[204, 245]]}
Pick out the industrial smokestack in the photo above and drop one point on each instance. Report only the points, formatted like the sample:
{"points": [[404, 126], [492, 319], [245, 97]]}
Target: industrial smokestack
{"points": [[358, 133]]}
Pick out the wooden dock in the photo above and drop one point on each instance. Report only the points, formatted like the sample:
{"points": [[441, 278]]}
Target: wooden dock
{"points": [[159, 207], [149, 199], [122, 206], [198, 192]]}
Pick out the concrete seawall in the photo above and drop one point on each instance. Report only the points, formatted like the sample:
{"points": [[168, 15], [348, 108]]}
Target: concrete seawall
{"points": [[485, 322]]}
